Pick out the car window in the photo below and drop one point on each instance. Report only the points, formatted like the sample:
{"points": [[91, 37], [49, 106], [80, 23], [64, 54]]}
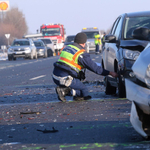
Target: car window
{"points": [[47, 41], [21, 43], [70, 39], [38, 44], [114, 26], [118, 28], [91, 35], [132, 23]]}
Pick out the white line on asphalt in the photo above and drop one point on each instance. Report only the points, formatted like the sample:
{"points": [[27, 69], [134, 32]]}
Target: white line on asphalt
{"points": [[38, 77]]}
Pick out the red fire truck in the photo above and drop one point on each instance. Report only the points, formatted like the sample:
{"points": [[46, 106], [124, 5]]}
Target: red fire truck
{"points": [[56, 32]]}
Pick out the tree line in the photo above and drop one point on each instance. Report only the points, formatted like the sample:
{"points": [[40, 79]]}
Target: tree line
{"points": [[12, 22]]}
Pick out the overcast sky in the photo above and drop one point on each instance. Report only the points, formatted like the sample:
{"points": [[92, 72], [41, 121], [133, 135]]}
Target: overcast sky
{"points": [[76, 14]]}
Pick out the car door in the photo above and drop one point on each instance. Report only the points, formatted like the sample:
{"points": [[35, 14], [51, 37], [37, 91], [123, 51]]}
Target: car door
{"points": [[111, 50]]}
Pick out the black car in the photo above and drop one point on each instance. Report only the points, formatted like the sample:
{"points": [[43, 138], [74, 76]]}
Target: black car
{"points": [[69, 40], [129, 36]]}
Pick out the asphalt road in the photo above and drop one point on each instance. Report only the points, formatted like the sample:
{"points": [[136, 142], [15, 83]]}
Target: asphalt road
{"points": [[32, 117]]}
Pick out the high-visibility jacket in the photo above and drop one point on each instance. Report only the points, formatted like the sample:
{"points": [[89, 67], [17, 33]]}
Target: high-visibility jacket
{"points": [[97, 40], [69, 55]]}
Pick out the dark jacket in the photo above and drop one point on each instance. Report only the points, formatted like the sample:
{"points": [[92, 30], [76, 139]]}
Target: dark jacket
{"points": [[85, 60]]}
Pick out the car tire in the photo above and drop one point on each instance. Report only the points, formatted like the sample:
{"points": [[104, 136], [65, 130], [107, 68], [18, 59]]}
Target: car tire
{"points": [[121, 88], [110, 90], [49, 53], [10, 58], [14, 58]]}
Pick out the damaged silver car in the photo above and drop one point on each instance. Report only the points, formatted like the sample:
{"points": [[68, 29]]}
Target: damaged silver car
{"points": [[127, 39], [139, 93]]}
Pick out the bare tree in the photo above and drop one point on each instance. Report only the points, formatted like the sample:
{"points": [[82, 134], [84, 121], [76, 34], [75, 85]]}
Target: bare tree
{"points": [[13, 23]]}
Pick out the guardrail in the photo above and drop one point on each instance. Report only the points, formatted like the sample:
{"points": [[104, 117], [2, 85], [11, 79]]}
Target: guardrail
{"points": [[3, 54]]}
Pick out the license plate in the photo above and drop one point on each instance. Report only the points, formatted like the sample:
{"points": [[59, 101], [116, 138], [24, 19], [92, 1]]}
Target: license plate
{"points": [[18, 52]]}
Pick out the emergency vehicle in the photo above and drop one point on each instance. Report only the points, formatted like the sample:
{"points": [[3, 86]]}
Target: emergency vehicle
{"points": [[56, 32], [91, 32]]}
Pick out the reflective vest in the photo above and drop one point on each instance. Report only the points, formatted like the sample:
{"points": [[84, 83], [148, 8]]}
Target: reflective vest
{"points": [[97, 39], [69, 55]]}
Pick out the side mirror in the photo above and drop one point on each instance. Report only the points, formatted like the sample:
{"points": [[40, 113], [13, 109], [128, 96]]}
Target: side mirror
{"points": [[110, 38], [141, 33]]}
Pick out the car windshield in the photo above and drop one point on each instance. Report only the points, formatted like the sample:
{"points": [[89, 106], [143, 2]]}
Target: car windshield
{"points": [[91, 35], [47, 41], [70, 39], [21, 43], [51, 31], [37, 44], [134, 22]]}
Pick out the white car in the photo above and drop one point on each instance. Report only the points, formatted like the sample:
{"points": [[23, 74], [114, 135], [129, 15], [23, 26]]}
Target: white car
{"points": [[139, 93], [22, 48]]}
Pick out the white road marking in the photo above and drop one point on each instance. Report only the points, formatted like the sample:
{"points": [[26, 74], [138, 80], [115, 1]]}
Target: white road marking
{"points": [[38, 77]]}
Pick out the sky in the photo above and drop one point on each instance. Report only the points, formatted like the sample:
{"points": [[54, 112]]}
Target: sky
{"points": [[76, 14]]}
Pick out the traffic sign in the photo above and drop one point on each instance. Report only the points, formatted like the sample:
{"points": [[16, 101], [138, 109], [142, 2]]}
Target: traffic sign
{"points": [[7, 36]]}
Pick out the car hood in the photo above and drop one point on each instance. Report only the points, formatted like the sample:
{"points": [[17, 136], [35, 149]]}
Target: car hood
{"points": [[17, 47], [141, 64], [67, 43], [134, 44], [90, 40], [39, 47]]}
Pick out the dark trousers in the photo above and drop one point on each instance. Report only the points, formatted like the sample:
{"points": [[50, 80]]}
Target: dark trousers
{"points": [[78, 88], [97, 48]]}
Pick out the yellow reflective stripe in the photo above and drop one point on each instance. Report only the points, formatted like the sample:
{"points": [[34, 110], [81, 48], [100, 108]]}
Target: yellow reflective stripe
{"points": [[71, 62], [78, 53]]}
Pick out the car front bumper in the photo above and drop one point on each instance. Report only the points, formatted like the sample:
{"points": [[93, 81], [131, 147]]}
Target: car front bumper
{"points": [[20, 54]]}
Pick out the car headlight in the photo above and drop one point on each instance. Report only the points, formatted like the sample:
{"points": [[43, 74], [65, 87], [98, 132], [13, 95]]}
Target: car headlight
{"points": [[41, 50], [133, 55], [27, 49], [147, 78]]}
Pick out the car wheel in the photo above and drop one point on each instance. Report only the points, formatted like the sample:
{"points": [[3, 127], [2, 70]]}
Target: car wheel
{"points": [[14, 58], [110, 90], [9, 58], [31, 57], [121, 88], [49, 53]]}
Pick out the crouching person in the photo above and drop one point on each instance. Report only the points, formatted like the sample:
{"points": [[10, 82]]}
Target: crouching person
{"points": [[68, 70]]}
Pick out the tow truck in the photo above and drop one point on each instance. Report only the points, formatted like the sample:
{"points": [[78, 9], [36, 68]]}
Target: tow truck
{"points": [[91, 32], [56, 32]]}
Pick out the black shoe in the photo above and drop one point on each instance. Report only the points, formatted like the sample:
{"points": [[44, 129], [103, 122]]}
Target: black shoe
{"points": [[81, 98], [87, 97], [62, 92]]}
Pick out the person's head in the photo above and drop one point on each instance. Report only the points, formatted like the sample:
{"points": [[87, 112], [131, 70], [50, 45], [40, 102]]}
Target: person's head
{"points": [[104, 33], [80, 38]]}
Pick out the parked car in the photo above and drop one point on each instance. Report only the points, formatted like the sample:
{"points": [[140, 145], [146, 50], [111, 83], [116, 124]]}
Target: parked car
{"points": [[22, 48], [128, 37], [50, 46], [139, 93], [70, 40], [40, 48]]}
